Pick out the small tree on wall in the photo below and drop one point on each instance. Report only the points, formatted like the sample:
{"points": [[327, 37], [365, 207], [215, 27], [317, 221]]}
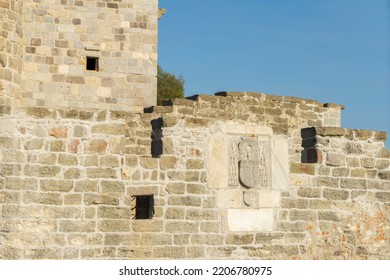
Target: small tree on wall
{"points": [[168, 86]]}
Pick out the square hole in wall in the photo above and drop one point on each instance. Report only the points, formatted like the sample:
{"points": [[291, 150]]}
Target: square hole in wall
{"points": [[92, 63], [144, 207]]}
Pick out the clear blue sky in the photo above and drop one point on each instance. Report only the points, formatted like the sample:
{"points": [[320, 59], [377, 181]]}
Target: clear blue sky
{"points": [[328, 50]]}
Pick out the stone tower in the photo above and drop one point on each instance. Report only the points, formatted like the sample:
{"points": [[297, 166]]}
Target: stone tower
{"points": [[79, 53], [10, 53]]}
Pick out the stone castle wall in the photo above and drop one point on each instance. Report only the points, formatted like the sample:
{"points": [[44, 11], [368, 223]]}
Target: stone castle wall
{"points": [[69, 178], [45, 46], [10, 52]]}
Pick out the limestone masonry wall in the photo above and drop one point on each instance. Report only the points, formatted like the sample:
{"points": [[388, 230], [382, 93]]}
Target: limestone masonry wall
{"points": [[235, 176], [46, 45]]}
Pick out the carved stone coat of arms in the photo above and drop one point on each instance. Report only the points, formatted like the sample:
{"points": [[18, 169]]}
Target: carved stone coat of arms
{"points": [[248, 163]]}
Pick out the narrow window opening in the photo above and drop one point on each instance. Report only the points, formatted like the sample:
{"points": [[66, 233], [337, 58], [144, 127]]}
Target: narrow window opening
{"points": [[92, 63], [144, 207]]}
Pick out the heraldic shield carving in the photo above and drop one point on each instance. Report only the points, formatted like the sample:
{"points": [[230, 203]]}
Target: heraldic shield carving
{"points": [[248, 163]]}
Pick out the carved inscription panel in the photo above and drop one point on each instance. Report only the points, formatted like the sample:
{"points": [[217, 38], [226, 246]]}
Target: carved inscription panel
{"points": [[249, 164]]}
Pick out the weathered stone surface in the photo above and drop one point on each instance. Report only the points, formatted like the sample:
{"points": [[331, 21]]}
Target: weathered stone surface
{"points": [[94, 199], [335, 194], [14, 183], [41, 170], [168, 162], [353, 183], [304, 168], [333, 159], [149, 163], [56, 185], [97, 146], [250, 220], [302, 215], [309, 192], [101, 173]]}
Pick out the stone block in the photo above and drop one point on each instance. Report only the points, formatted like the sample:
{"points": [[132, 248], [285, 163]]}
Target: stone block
{"points": [[43, 198], [114, 212], [201, 214], [59, 132], [72, 199], [12, 183], [353, 184], [95, 199], [34, 144], [384, 175], [67, 160], [77, 226], [340, 172], [335, 194], [229, 199], [43, 253], [269, 199], [57, 146], [302, 215], [56, 185], [62, 212], [333, 159], [101, 173], [143, 190], [169, 252], [17, 212], [109, 161], [181, 227], [72, 173], [175, 213], [113, 129], [13, 156], [250, 219], [302, 168], [309, 192], [80, 131], [96, 146], [175, 188], [368, 162], [10, 170], [382, 164], [320, 203], [294, 203], [280, 160], [114, 225], [86, 186], [194, 164], [47, 159], [383, 196], [9, 197], [323, 181], [148, 163], [147, 225], [268, 237], [329, 216], [113, 187], [239, 239], [168, 162], [120, 239], [185, 201], [207, 239], [40, 112], [220, 251], [196, 189], [217, 162]]}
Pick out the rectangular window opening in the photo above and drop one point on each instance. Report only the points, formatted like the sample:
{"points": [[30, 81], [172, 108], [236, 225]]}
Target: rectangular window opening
{"points": [[92, 63], [144, 207]]}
